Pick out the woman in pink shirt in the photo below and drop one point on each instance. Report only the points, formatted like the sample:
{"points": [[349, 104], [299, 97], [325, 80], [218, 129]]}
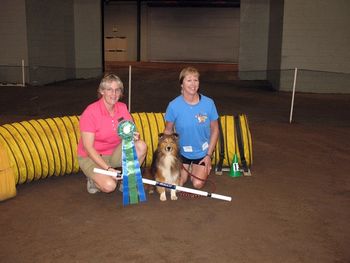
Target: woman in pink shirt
{"points": [[100, 145]]}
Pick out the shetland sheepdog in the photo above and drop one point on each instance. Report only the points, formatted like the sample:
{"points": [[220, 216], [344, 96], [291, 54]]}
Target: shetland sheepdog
{"points": [[166, 164]]}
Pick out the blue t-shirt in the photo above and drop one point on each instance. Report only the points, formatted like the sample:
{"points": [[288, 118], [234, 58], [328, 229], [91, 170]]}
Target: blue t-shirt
{"points": [[192, 123]]}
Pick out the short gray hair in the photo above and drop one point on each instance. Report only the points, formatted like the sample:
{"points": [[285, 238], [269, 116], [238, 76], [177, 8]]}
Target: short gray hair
{"points": [[106, 80]]}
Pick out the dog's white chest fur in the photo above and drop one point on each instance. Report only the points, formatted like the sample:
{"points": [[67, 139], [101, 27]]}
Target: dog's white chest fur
{"points": [[165, 168]]}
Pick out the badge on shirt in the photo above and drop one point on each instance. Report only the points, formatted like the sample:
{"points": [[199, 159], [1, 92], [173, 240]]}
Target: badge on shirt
{"points": [[205, 146], [187, 149]]}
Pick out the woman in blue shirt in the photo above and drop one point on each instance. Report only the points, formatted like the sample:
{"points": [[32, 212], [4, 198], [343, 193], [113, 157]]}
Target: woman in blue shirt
{"points": [[195, 119]]}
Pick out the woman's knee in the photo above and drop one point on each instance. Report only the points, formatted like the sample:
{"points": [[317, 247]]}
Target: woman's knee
{"points": [[198, 184], [108, 186]]}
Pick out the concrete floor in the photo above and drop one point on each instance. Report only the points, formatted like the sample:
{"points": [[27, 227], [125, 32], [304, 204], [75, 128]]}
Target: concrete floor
{"points": [[294, 208]]}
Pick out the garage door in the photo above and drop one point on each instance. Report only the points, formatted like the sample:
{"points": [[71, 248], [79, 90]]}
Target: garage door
{"points": [[193, 34]]}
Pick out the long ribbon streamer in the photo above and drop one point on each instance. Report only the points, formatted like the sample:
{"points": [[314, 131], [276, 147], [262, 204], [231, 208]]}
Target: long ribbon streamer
{"points": [[133, 190]]}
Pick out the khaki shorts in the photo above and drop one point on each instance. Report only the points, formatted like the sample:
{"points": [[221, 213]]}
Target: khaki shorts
{"points": [[87, 165]]}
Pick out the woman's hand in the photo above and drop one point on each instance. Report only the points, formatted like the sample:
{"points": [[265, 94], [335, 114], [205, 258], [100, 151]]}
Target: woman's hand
{"points": [[207, 161], [136, 136], [111, 169]]}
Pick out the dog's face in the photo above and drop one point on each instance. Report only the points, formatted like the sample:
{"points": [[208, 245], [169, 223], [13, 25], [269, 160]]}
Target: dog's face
{"points": [[168, 144]]}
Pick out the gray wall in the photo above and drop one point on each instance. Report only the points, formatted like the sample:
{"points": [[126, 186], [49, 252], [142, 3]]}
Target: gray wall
{"points": [[254, 29], [50, 34], [312, 36], [87, 38], [316, 35], [56, 38], [274, 52], [176, 34], [13, 44], [193, 34], [316, 39]]}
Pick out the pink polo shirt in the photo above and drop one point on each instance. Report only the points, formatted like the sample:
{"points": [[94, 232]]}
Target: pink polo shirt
{"points": [[97, 120]]}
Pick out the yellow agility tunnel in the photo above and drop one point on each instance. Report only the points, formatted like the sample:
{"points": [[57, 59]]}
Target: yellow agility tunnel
{"points": [[37, 149]]}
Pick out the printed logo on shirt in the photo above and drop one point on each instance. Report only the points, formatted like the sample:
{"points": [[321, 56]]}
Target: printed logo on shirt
{"points": [[201, 117]]}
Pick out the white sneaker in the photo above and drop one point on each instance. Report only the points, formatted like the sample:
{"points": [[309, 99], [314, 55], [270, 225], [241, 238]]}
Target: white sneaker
{"points": [[120, 188], [91, 187]]}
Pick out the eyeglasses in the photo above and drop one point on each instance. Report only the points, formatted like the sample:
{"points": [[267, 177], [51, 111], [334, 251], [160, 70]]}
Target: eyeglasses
{"points": [[110, 90]]}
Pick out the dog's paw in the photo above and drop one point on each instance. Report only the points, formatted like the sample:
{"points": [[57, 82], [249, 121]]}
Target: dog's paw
{"points": [[162, 196], [173, 197]]}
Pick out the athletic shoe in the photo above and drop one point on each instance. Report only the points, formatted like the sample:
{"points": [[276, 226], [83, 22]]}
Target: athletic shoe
{"points": [[91, 187], [120, 188]]}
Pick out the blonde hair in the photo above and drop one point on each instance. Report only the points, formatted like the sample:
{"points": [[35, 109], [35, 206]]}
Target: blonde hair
{"points": [[106, 81], [187, 71]]}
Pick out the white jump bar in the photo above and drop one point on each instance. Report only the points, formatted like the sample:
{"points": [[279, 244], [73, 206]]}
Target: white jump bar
{"points": [[118, 176]]}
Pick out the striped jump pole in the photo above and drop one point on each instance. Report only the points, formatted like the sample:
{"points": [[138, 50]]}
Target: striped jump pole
{"points": [[118, 176]]}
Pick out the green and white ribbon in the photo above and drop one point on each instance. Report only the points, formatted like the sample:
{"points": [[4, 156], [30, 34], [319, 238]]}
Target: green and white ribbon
{"points": [[133, 189]]}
